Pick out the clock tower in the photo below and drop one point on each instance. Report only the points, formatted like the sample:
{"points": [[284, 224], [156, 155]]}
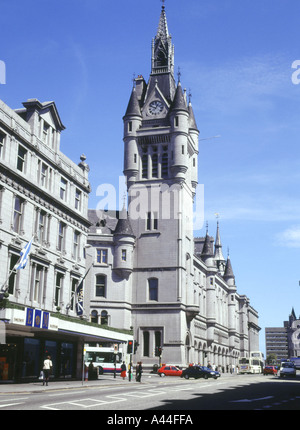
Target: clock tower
{"points": [[160, 165]]}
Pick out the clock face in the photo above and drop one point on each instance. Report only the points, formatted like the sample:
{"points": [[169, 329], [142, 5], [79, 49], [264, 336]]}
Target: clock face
{"points": [[155, 107]]}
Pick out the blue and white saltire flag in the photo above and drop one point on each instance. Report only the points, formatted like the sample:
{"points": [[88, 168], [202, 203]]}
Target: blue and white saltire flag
{"points": [[24, 256]]}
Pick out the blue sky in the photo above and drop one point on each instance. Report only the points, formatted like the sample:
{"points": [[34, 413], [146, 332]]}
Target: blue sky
{"points": [[236, 58]]}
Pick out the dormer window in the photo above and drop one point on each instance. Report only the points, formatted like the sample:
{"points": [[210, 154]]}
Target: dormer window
{"points": [[46, 129]]}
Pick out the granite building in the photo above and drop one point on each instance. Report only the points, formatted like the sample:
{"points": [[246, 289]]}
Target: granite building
{"points": [[148, 271], [43, 197]]}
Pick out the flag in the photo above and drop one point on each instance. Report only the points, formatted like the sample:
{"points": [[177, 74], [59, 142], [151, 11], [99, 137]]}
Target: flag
{"points": [[80, 296], [24, 256]]}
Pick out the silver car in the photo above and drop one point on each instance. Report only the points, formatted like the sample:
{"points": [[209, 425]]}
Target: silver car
{"points": [[287, 368]]}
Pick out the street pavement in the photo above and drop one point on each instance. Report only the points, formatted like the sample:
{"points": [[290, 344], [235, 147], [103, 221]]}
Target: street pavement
{"points": [[104, 380]]}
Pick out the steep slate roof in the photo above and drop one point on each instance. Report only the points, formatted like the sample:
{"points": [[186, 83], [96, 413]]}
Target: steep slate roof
{"points": [[228, 270], [133, 107], [123, 226], [179, 102]]}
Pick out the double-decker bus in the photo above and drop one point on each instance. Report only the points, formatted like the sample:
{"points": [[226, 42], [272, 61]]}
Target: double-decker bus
{"points": [[252, 364], [105, 359]]}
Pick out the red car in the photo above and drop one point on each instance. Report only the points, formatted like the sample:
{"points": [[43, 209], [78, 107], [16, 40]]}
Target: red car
{"points": [[169, 370], [270, 370]]}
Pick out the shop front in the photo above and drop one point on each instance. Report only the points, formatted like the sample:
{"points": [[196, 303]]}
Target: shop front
{"points": [[21, 358], [30, 335]]}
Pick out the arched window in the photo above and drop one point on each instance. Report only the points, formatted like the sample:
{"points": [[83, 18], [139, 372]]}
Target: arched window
{"points": [[100, 286], [104, 318], [153, 289], [94, 317]]}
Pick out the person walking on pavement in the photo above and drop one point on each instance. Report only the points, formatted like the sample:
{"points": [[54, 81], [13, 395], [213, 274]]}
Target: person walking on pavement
{"points": [[47, 367], [123, 370], [129, 371], [139, 371]]}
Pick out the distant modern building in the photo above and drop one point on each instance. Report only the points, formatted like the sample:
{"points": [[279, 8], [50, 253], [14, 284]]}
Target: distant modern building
{"points": [[44, 196], [148, 271], [284, 342]]}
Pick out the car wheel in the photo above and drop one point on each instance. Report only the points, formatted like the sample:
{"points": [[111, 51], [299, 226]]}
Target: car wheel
{"points": [[186, 376], [162, 375], [100, 369], [206, 377]]}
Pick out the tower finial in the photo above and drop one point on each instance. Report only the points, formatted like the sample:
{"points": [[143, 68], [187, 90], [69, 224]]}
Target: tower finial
{"points": [[163, 2], [179, 74]]}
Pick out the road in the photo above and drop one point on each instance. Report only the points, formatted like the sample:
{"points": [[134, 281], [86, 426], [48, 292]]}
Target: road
{"points": [[156, 395]]}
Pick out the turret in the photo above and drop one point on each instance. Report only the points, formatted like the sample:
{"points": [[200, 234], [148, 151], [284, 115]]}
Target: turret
{"points": [[132, 122], [179, 116], [124, 239], [228, 275]]}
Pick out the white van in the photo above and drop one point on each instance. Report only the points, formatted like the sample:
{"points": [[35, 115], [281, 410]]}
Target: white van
{"points": [[287, 368]]}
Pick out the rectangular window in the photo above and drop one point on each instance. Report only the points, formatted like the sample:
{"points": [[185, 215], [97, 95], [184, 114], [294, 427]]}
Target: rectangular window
{"points": [[58, 288], [18, 214], [61, 236], [45, 132], [37, 284], [63, 189], [124, 256], [100, 286], [41, 228], [21, 159], [76, 245], [151, 221], [148, 225], [44, 175], [2, 143], [176, 121], [77, 199], [13, 277], [101, 256], [153, 289]]}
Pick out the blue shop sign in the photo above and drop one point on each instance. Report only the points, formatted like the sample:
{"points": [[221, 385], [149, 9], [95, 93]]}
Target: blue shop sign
{"points": [[45, 322], [29, 317], [37, 318]]}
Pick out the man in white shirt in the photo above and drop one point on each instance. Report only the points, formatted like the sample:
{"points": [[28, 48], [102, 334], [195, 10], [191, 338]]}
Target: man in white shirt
{"points": [[47, 367]]}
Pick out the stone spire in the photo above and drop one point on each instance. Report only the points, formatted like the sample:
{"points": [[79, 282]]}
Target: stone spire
{"points": [[220, 260], [162, 67]]}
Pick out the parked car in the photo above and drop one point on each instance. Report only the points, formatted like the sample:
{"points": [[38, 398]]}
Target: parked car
{"points": [[270, 370], [287, 368], [199, 372], [169, 370]]}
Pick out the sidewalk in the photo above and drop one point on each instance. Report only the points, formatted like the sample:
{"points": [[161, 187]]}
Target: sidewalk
{"points": [[103, 381], [37, 386]]}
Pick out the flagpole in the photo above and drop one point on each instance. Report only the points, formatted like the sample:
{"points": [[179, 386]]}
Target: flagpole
{"points": [[3, 285], [17, 264]]}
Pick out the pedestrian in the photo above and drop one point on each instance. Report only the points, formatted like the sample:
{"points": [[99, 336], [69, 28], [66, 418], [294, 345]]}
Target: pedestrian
{"points": [[139, 371], [129, 371], [47, 368], [123, 371]]}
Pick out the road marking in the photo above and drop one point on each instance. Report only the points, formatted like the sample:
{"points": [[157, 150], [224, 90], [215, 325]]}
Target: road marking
{"points": [[11, 404], [252, 400], [14, 399], [63, 394]]}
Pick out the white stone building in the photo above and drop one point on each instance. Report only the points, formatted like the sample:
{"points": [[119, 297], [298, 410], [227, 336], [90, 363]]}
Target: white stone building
{"points": [[44, 195], [149, 272]]}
